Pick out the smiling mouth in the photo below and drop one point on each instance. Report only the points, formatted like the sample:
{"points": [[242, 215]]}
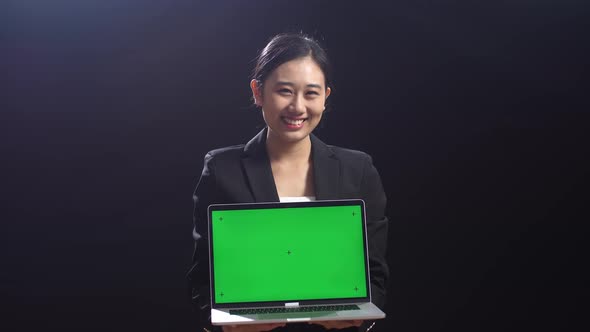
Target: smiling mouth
{"points": [[293, 122]]}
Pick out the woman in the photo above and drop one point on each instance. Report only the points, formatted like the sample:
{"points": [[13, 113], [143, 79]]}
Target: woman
{"points": [[286, 162]]}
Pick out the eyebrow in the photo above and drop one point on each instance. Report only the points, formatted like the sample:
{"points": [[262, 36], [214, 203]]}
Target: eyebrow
{"points": [[291, 84]]}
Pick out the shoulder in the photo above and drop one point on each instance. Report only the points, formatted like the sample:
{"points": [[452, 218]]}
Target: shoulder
{"points": [[355, 166], [236, 152], [223, 160], [346, 156], [350, 155], [354, 161], [225, 154]]}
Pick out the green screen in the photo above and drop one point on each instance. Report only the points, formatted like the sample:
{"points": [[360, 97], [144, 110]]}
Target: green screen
{"points": [[282, 254]]}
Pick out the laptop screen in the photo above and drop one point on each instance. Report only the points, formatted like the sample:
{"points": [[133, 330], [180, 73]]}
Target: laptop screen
{"points": [[284, 252]]}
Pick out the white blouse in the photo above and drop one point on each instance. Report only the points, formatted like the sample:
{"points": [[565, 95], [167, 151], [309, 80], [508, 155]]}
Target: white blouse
{"points": [[286, 199]]}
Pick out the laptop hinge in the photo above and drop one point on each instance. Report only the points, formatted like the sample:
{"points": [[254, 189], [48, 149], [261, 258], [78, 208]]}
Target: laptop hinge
{"points": [[292, 305]]}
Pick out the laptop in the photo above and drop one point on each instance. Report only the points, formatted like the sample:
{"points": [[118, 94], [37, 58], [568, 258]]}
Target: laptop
{"points": [[289, 262]]}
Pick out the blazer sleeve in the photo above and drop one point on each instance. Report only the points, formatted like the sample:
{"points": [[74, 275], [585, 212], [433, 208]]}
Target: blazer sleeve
{"points": [[198, 275], [377, 233]]}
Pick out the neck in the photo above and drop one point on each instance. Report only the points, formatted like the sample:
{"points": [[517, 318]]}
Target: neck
{"points": [[279, 150]]}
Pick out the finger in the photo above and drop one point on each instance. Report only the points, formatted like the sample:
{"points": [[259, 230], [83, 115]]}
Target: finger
{"points": [[329, 324], [338, 324], [268, 327]]}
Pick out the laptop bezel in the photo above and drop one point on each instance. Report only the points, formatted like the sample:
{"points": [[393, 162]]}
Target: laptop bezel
{"points": [[281, 303]]}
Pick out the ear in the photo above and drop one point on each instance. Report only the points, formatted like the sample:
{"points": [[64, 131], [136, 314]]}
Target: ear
{"points": [[328, 91], [256, 92]]}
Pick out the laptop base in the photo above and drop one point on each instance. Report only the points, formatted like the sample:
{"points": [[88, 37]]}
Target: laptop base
{"points": [[367, 311]]}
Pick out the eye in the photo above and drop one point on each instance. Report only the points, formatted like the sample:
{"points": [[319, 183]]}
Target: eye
{"points": [[312, 93], [284, 91]]}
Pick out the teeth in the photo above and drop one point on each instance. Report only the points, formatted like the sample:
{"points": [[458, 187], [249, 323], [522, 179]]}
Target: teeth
{"points": [[293, 122]]}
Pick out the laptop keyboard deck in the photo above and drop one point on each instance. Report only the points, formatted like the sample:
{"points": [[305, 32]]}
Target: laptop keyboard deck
{"points": [[276, 310]]}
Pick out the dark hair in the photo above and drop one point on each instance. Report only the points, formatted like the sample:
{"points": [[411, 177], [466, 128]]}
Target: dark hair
{"points": [[286, 47]]}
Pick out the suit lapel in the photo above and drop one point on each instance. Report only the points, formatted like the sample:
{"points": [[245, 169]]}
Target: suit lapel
{"points": [[258, 171], [326, 170]]}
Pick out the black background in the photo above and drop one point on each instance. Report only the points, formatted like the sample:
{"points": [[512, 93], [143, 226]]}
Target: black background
{"points": [[475, 113]]}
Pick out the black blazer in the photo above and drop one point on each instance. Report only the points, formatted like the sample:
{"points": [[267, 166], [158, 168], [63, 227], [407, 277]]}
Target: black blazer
{"points": [[242, 174]]}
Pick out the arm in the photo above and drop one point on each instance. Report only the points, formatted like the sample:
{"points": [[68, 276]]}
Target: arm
{"points": [[371, 191], [377, 227], [198, 275]]}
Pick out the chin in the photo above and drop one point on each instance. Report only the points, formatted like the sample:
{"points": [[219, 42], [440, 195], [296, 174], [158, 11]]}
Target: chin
{"points": [[293, 137]]}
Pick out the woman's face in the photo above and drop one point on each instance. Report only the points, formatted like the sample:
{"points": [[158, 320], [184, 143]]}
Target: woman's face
{"points": [[292, 99]]}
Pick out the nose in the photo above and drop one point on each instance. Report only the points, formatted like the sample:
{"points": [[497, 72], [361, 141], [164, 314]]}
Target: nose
{"points": [[298, 104]]}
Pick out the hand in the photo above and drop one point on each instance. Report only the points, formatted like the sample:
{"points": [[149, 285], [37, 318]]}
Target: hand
{"points": [[251, 327], [338, 324]]}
